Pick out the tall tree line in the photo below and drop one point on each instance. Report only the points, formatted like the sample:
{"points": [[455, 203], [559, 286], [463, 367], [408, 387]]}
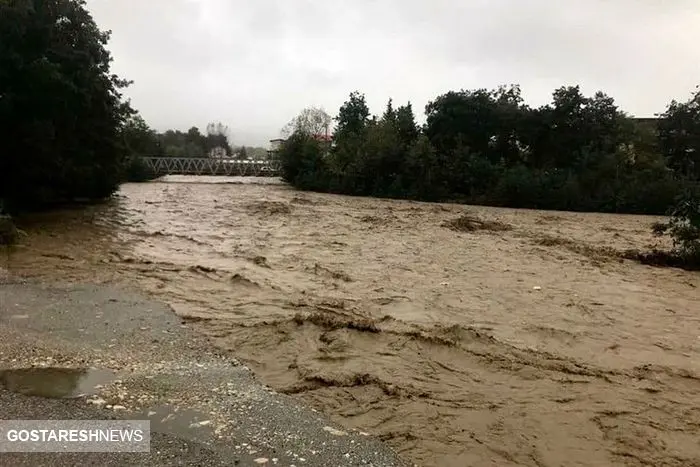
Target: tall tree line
{"points": [[142, 141], [482, 146], [61, 110]]}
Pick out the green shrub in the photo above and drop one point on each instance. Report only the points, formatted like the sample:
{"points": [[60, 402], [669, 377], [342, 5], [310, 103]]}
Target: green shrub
{"points": [[684, 226], [136, 170]]}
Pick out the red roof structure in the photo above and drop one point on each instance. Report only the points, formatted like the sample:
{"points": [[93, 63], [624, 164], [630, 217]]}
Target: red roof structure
{"points": [[323, 138]]}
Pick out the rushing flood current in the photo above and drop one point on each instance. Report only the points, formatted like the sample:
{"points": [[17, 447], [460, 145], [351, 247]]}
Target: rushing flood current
{"points": [[460, 335]]}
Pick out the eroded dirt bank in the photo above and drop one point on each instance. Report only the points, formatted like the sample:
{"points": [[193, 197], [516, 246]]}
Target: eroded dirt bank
{"points": [[523, 340]]}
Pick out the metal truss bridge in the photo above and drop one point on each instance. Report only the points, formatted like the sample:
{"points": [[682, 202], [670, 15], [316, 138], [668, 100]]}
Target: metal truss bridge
{"points": [[209, 166]]}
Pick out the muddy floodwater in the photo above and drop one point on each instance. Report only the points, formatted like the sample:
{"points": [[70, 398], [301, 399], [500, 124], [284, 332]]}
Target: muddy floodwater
{"points": [[460, 335]]}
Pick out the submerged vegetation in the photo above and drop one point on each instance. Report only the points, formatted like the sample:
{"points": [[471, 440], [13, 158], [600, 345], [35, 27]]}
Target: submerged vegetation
{"points": [[684, 229]]}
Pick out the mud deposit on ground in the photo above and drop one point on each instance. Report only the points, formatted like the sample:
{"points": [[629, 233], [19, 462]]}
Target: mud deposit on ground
{"points": [[460, 335]]}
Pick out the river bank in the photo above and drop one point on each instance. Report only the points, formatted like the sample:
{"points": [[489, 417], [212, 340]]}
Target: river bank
{"points": [[521, 339], [133, 359]]}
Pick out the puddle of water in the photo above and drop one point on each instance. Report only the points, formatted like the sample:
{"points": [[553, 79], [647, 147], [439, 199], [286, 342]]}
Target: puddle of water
{"points": [[57, 383], [182, 422]]}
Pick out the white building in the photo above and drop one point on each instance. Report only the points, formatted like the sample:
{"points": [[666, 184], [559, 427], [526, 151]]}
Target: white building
{"points": [[218, 153], [276, 144]]}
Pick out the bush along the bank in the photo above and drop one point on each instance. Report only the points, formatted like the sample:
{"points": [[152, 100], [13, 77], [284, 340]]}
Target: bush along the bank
{"points": [[487, 147], [684, 229]]}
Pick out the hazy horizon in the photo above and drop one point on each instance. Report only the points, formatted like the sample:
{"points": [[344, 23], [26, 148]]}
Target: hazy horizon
{"points": [[255, 66]]}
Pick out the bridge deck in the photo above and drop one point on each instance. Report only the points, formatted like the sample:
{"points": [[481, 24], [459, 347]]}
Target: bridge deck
{"points": [[206, 166]]}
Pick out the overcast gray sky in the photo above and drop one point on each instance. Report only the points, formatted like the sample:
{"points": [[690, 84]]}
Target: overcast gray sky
{"points": [[253, 64]]}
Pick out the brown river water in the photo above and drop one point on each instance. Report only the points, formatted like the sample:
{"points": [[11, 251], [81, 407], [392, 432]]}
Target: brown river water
{"points": [[524, 341]]}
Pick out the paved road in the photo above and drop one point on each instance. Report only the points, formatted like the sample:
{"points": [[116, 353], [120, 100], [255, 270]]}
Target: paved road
{"points": [[205, 408]]}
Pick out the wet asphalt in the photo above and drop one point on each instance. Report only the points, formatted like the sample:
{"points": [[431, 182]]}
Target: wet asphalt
{"points": [[205, 407]]}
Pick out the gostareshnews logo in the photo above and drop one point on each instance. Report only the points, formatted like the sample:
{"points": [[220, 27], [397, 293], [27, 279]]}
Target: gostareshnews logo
{"points": [[75, 435]]}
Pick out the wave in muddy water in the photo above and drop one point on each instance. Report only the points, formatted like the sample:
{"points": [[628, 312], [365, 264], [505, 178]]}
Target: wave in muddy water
{"points": [[269, 208], [397, 380], [219, 180]]}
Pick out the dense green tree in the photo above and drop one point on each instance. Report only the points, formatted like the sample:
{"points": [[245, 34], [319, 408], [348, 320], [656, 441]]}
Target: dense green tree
{"points": [[311, 120], [139, 139], [461, 119], [575, 125], [379, 162], [684, 229], [350, 137], [243, 153], [406, 126], [60, 107], [489, 123], [389, 113], [353, 117], [423, 177], [217, 139], [303, 162], [679, 136]]}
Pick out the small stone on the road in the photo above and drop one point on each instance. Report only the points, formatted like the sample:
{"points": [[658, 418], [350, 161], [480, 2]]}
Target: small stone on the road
{"points": [[333, 431], [199, 424]]}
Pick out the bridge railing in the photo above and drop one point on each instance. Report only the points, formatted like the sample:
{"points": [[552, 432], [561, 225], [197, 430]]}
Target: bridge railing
{"points": [[211, 166]]}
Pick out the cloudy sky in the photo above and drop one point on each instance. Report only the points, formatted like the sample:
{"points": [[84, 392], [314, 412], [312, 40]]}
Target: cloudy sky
{"points": [[253, 64]]}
